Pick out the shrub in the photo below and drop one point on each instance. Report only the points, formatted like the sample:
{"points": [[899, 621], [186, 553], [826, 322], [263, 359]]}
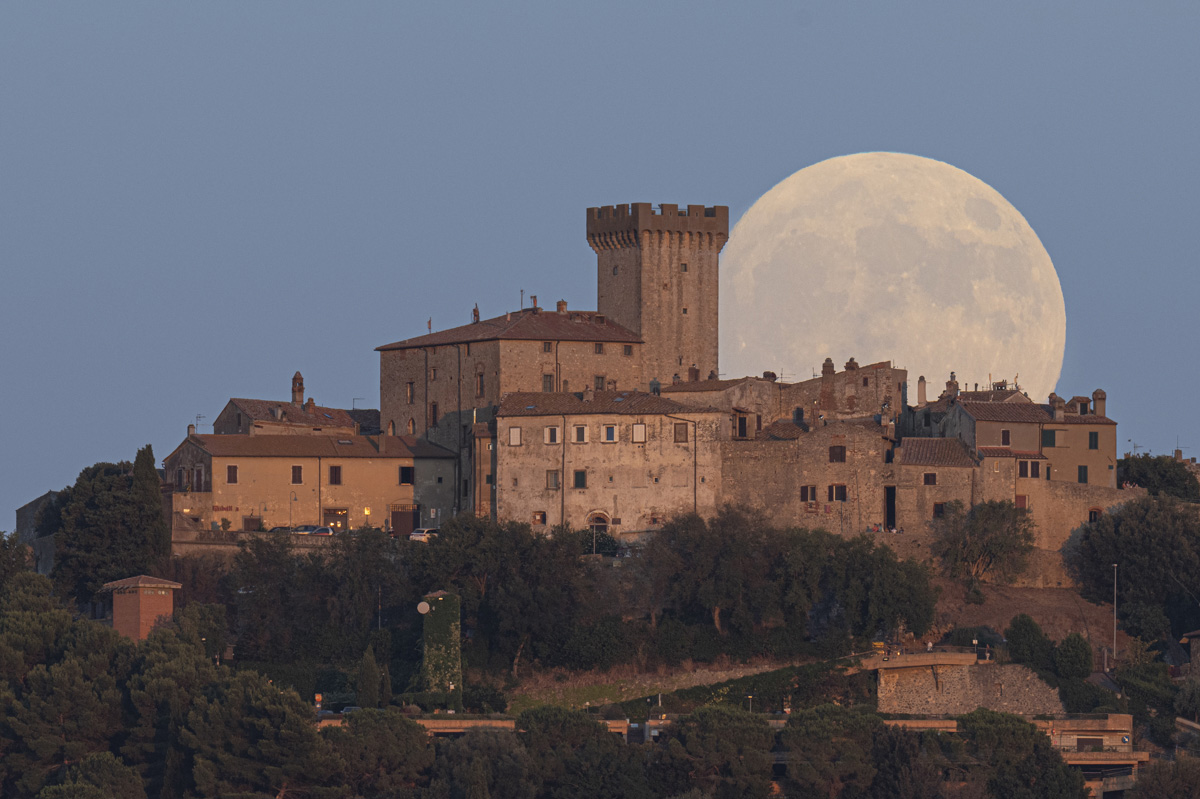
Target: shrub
{"points": [[1073, 658], [1028, 644]]}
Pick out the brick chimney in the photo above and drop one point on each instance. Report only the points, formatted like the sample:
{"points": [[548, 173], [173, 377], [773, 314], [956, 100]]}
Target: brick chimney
{"points": [[921, 400], [1098, 402], [562, 306], [297, 389]]}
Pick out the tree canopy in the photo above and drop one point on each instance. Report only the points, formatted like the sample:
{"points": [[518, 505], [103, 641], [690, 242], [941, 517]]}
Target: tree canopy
{"points": [[992, 539], [1160, 475]]}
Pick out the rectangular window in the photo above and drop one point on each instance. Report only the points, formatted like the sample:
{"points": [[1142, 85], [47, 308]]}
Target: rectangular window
{"points": [[681, 432], [406, 475], [539, 517], [408, 392], [599, 382], [1022, 501], [297, 475], [335, 475], [1022, 468], [466, 488], [231, 475], [808, 493], [930, 478], [610, 433], [547, 383], [479, 385], [1083, 474], [837, 454], [552, 480], [433, 373], [939, 510], [514, 436], [1047, 438], [639, 434], [1035, 469], [629, 349], [550, 435], [487, 478], [1093, 440], [1005, 438], [580, 434], [547, 346], [433, 414], [580, 478], [599, 348], [683, 267], [866, 382], [837, 493]]}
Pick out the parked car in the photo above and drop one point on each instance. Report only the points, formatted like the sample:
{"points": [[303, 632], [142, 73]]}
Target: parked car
{"points": [[322, 531], [305, 529], [423, 534], [280, 530]]}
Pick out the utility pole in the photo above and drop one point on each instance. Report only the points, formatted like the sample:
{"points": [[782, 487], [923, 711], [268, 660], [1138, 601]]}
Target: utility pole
{"points": [[1114, 614]]}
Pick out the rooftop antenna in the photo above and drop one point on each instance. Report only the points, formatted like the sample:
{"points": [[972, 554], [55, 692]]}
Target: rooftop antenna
{"points": [[522, 299], [354, 400], [1134, 444], [199, 416]]}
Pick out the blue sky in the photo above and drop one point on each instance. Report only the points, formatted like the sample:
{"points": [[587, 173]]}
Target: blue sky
{"points": [[196, 200]]}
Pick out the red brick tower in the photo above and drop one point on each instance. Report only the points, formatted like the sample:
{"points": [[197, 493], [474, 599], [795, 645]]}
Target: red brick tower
{"points": [[139, 602]]}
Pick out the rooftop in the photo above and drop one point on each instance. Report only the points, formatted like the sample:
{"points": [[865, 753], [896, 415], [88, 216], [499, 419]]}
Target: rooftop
{"points": [[527, 403], [141, 581], [935, 452], [317, 446], [289, 413], [527, 324]]}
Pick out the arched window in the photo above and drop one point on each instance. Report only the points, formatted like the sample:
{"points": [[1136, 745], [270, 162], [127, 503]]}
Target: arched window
{"points": [[598, 523], [412, 427], [392, 428]]}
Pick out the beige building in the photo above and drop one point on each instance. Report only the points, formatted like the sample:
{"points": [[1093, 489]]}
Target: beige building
{"points": [[223, 483], [613, 461]]}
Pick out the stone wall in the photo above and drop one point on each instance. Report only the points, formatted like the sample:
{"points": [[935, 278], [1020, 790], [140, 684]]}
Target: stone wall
{"points": [[957, 689]]}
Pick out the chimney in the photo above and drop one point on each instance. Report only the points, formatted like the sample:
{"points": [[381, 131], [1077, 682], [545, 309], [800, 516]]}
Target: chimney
{"points": [[675, 379], [297, 389], [191, 429], [921, 391], [475, 314], [827, 369], [612, 385], [1098, 402], [770, 377], [655, 387], [1059, 406], [952, 386], [562, 306], [310, 406], [1179, 456], [851, 364], [693, 374], [533, 302], [589, 394]]}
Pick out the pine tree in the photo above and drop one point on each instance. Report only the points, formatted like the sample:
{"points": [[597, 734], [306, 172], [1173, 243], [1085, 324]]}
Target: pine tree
{"points": [[150, 525], [368, 680]]}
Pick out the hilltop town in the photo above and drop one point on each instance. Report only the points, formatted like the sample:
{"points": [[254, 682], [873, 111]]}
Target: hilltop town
{"points": [[502, 447]]}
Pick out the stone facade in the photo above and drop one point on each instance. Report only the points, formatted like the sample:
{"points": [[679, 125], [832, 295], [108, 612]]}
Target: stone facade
{"points": [[957, 689], [617, 461], [297, 417], [657, 274], [855, 392]]}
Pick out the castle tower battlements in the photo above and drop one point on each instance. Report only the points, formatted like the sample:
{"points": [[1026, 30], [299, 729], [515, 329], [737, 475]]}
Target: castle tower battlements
{"points": [[657, 274]]}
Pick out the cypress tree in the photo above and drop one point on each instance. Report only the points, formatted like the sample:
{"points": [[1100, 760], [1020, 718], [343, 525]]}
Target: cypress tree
{"points": [[150, 524], [368, 680]]}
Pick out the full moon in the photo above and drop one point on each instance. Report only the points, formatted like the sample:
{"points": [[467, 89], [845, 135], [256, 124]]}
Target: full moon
{"points": [[886, 256]]}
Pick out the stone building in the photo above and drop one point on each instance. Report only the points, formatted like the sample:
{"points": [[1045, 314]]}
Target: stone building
{"points": [[222, 483], [657, 274], [613, 461], [297, 417], [139, 603]]}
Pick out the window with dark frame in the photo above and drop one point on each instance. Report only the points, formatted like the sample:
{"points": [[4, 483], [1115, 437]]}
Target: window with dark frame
{"points": [[433, 414], [547, 383], [539, 517], [547, 346], [683, 267], [629, 349], [479, 385], [407, 474], [335, 475], [297, 475], [1005, 438], [580, 478], [1022, 468], [930, 478], [681, 432], [939, 510], [599, 348], [1093, 440], [1035, 469], [1094, 514], [1083, 475], [1021, 501], [231, 474], [1047, 438], [837, 454], [598, 383], [552, 479], [837, 493]]}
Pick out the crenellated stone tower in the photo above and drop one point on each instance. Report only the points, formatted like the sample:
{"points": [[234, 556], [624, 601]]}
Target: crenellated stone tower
{"points": [[657, 274]]}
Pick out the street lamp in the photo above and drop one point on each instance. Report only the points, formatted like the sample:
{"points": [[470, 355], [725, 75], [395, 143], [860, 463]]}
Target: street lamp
{"points": [[751, 698], [291, 504]]}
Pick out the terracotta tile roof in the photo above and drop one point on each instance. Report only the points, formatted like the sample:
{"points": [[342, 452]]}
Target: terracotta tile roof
{"points": [[783, 430], [1020, 412], [935, 452], [526, 325], [1005, 452], [367, 419], [706, 385], [993, 395], [230, 446], [1075, 418], [528, 403], [141, 581], [264, 411]]}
